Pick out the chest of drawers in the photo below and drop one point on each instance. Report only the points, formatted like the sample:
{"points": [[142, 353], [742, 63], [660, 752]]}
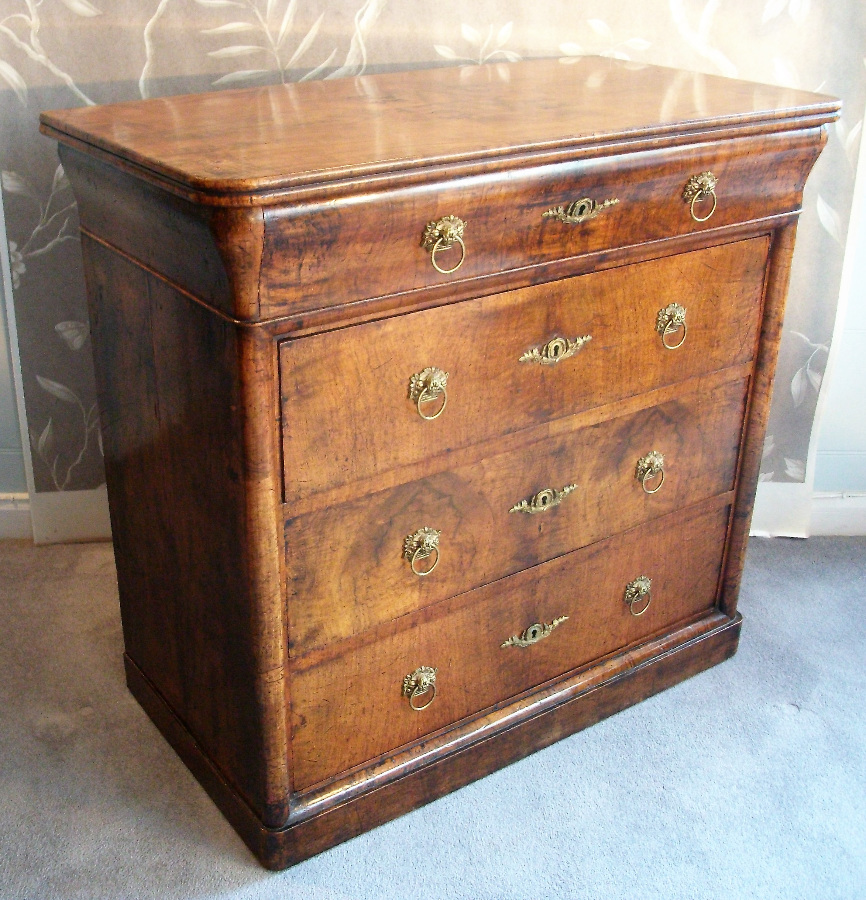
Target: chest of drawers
{"points": [[432, 406]]}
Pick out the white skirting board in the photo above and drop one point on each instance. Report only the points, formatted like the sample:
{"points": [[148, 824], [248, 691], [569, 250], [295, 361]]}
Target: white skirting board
{"points": [[795, 510], [15, 520], [782, 509], [839, 513], [63, 517]]}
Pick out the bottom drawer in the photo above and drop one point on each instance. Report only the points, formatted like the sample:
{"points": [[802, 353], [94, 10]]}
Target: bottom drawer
{"points": [[349, 705]]}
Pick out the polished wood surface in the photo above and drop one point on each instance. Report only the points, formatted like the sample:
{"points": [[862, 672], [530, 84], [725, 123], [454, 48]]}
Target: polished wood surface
{"points": [[190, 476], [359, 378], [259, 300], [375, 796], [461, 637], [371, 246], [277, 137], [758, 412], [345, 566]]}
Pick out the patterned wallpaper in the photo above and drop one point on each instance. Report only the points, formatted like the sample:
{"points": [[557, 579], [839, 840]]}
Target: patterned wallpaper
{"points": [[59, 53]]}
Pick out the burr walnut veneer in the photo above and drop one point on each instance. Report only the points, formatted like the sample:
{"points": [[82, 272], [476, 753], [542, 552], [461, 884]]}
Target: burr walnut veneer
{"points": [[432, 406]]}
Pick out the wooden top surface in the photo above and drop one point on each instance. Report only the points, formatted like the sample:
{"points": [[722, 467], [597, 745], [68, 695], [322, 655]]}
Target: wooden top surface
{"points": [[285, 136]]}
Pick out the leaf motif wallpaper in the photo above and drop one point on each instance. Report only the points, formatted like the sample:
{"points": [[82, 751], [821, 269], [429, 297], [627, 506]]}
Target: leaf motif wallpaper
{"points": [[60, 53]]}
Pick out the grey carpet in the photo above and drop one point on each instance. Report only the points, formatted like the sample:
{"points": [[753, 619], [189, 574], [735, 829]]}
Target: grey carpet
{"points": [[748, 781]]}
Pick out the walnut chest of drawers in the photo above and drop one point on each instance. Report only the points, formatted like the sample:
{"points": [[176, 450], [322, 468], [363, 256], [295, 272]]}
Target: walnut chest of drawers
{"points": [[432, 406]]}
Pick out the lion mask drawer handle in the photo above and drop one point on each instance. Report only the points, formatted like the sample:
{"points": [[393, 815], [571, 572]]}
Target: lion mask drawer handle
{"points": [[648, 468], [421, 545], [426, 386], [418, 683], [669, 321], [637, 595], [579, 211], [534, 634], [698, 189], [543, 500], [443, 235], [555, 350]]}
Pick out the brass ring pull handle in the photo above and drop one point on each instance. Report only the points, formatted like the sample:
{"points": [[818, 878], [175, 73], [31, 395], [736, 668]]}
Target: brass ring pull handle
{"points": [[418, 683], [578, 212], [555, 350], [419, 546], [427, 385], [637, 595], [698, 189], [442, 235], [669, 321], [543, 500], [649, 468], [533, 634]]}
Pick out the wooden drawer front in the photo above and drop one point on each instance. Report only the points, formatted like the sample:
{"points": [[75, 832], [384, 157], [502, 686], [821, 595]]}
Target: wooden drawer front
{"points": [[351, 249], [345, 563], [347, 414], [348, 709]]}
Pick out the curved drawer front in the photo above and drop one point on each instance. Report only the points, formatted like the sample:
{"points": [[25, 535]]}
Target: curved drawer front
{"points": [[346, 250], [346, 568], [348, 410], [358, 693]]}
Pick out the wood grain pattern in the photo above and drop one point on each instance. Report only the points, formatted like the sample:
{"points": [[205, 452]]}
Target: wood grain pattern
{"points": [[371, 246], [352, 385], [471, 455], [189, 487], [681, 553], [345, 567], [496, 722], [569, 706], [226, 143], [758, 412], [162, 233], [264, 461]]}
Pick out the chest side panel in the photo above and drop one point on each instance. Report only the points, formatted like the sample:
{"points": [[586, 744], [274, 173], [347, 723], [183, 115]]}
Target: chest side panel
{"points": [[196, 555]]}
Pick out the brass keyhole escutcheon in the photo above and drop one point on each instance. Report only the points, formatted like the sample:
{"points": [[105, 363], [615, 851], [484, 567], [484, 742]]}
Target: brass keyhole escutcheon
{"points": [[418, 683], [428, 386], [442, 235], [637, 595], [420, 546], [555, 350], [699, 189], [648, 470], [535, 633], [543, 500], [579, 211], [669, 321]]}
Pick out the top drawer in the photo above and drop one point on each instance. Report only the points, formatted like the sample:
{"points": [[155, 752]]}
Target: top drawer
{"points": [[347, 410], [348, 249]]}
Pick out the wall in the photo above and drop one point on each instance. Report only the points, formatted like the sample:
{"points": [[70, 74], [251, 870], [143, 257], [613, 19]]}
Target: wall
{"points": [[839, 500], [841, 458], [15, 518], [56, 53], [12, 480]]}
